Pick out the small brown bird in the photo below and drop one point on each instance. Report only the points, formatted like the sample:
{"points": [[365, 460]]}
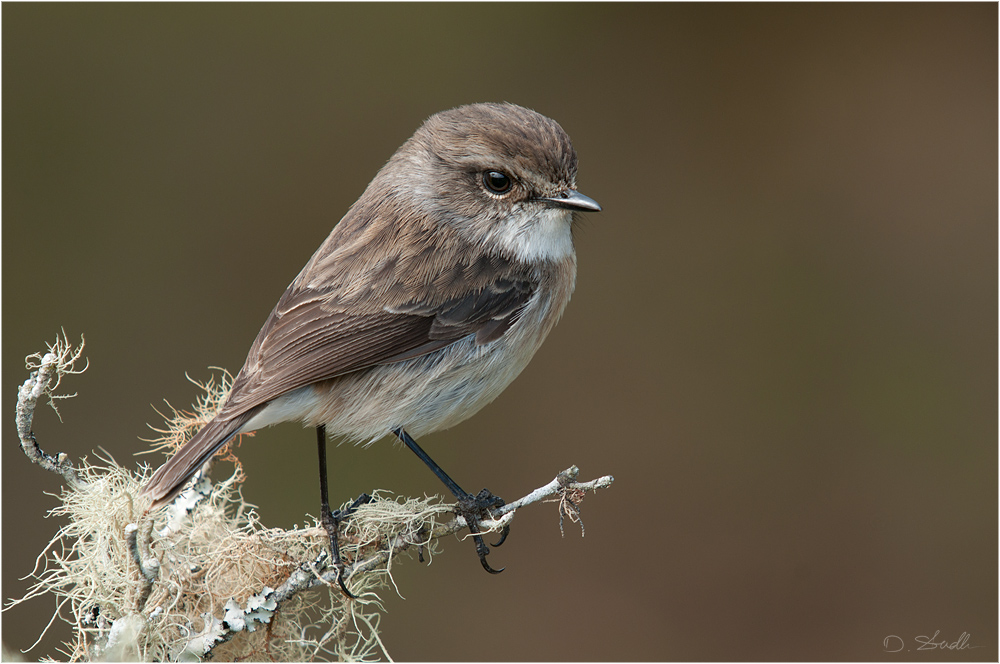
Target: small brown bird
{"points": [[427, 299]]}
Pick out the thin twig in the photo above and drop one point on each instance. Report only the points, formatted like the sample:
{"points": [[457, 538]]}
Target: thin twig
{"points": [[320, 572], [48, 372]]}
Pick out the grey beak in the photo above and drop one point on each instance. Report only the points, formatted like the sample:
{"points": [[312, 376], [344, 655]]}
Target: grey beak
{"points": [[573, 200]]}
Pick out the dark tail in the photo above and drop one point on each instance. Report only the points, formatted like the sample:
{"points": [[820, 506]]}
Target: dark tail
{"points": [[171, 477]]}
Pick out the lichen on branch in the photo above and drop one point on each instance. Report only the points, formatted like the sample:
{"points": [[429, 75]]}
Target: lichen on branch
{"points": [[204, 578]]}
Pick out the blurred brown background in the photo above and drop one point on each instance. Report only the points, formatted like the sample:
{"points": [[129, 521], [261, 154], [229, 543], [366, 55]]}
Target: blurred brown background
{"points": [[783, 342]]}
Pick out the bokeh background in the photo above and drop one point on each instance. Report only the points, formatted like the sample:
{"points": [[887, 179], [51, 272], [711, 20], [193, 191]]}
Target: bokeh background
{"points": [[783, 342]]}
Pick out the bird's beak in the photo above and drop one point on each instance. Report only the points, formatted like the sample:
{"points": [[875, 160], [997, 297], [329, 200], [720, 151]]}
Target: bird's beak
{"points": [[573, 200]]}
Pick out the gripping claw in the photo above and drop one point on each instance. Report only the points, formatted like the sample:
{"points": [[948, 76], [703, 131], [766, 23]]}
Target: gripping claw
{"points": [[331, 523], [473, 508]]}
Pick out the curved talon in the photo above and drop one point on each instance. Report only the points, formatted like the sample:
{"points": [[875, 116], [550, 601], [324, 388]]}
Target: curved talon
{"points": [[503, 536], [486, 566], [340, 581], [472, 508], [482, 550]]}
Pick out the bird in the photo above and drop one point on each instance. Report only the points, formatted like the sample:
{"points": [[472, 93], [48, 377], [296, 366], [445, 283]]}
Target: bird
{"points": [[425, 301]]}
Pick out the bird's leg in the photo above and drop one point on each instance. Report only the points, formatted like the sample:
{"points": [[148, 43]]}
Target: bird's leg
{"points": [[332, 520], [472, 508]]}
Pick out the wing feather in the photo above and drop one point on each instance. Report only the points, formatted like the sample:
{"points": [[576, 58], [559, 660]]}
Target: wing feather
{"points": [[313, 336]]}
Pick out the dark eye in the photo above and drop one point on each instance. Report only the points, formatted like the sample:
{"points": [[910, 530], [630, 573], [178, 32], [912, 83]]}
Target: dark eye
{"points": [[497, 182]]}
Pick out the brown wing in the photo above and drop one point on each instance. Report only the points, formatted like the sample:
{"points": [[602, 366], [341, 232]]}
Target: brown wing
{"points": [[314, 335]]}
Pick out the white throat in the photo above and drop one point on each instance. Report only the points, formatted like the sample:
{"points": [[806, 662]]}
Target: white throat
{"points": [[546, 236]]}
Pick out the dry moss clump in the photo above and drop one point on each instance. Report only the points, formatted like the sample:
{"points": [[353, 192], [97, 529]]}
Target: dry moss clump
{"points": [[204, 576]]}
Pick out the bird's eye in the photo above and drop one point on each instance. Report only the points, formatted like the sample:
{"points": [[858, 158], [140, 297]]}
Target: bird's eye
{"points": [[497, 182]]}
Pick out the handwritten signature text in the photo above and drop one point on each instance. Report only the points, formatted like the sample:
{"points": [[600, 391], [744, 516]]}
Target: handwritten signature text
{"points": [[893, 643]]}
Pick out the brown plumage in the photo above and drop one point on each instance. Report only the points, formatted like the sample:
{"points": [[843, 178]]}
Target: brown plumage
{"points": [[426, 300]]}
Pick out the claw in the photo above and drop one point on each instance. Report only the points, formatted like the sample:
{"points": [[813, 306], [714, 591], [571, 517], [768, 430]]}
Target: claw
{"points": [[503, 536], [486, 566], [331, 523], [340, 581], [472, 508], [481, 549]]}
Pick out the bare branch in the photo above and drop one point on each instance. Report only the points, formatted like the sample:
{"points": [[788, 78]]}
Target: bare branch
{"points": [[48, 372]]}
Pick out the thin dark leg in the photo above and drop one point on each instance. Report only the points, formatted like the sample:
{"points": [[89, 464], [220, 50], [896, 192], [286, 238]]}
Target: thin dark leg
{"points": [[324, 489], [452, 485], [331, 521], [471, 507]]}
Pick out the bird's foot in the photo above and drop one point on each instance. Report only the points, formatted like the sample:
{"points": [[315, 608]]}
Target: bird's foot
{"points": [[331, 523], [478, 507]]}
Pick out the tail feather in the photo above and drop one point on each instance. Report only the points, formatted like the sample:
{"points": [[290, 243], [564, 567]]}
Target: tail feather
{"points": [[171, 477]]}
